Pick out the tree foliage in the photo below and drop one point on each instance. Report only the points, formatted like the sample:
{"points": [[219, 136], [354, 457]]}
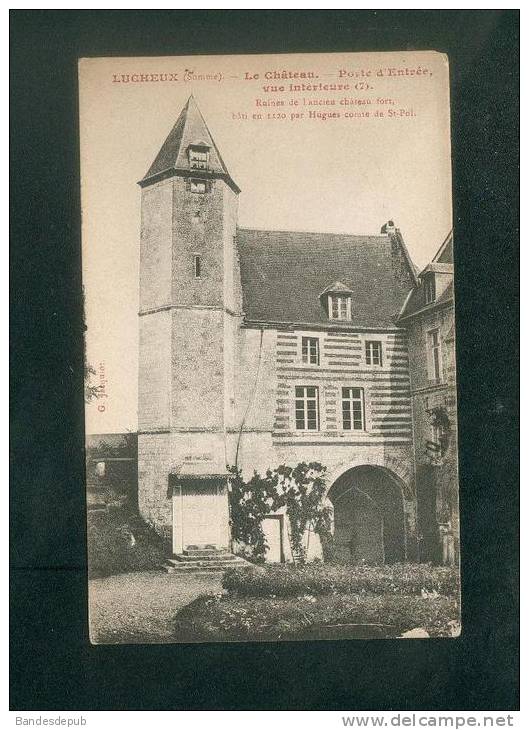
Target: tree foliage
{"points": [[91, 392]]}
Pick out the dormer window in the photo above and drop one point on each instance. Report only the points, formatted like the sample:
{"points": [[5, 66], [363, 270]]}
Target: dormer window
{"points": [[340, 306], [336, 299], [199, 157], [429, 289]]}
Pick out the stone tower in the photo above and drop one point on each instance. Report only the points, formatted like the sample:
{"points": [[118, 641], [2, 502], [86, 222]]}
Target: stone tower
{"points": [[190, 309]]}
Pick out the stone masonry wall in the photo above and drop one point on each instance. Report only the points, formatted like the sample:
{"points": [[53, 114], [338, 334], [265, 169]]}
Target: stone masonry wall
{"points": [[439, 477], [154, 385], [156, 245], [154, 463]]}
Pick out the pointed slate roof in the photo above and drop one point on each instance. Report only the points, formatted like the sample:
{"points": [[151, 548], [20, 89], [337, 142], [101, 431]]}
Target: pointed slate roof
{"points": [[442, 263], [284, 273], [445, 255], [190, 129]]}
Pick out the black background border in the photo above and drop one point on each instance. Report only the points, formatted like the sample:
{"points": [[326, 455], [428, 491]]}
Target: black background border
{"points": [[53, 666]]}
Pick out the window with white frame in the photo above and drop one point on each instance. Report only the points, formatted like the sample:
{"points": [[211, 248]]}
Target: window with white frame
{"points": [[310, 350], [434, 355], [339, 306], [353, 416], [374, 352], [307, 408], [198, 158]]}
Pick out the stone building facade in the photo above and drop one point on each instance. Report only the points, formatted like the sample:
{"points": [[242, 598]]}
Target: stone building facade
{"points": [[259, 348], [428, 317]]}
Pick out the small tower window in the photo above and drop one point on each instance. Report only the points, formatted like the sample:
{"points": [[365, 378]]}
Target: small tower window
{"points": [[198, 157], [198, 186], [197, 266]]}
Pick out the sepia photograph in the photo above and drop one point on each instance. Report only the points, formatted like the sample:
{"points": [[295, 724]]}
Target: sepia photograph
{"points": [[264, 384], [270, 376]]}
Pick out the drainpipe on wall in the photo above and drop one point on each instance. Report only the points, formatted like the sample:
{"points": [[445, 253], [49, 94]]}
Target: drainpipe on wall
{"points": [[252, 396], [247, 410]]}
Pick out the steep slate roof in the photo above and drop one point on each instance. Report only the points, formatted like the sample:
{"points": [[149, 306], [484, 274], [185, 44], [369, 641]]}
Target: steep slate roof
{"points": [[416, 303], [284, 273], [445, 255], [442, 263], [190, 128]]}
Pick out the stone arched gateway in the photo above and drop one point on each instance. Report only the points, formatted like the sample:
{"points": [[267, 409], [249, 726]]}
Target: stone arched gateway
{"points": [[369, 516]]}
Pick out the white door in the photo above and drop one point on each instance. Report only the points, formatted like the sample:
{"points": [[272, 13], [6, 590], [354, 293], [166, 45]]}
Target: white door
{"points": [[272, 528], [201, 515]]}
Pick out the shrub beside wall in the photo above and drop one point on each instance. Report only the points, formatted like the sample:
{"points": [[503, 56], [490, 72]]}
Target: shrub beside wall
{"points": [[317, 579], [120, 542]]}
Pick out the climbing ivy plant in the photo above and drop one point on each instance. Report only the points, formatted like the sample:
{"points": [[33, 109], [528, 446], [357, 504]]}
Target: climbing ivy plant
{"points": [[299, 491], [249, 503]]}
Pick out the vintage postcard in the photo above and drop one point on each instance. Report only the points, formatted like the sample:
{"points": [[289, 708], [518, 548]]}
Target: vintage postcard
{"points": [[271, 448]]}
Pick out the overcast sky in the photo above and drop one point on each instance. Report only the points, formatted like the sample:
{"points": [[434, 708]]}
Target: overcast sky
{"points": [[347, 174]]}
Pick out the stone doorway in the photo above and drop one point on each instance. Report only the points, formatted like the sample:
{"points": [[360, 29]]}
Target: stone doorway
{"points": [[200, 512], [368, 517]]}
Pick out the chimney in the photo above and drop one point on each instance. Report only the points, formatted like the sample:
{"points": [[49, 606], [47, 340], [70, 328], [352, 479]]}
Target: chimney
{"points": [[388, 228]]}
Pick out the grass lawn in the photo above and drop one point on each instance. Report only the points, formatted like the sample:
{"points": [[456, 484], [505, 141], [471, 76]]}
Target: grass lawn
{"points": [[138, 608], [131, 600]]}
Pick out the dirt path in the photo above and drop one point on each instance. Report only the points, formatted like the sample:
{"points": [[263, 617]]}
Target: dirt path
{"points": [[138, 608]]}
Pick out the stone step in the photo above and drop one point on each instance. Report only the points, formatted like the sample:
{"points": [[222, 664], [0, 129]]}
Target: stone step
{"points": [[192, 558], [204, 566], [194, 569], [203, 552]]}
